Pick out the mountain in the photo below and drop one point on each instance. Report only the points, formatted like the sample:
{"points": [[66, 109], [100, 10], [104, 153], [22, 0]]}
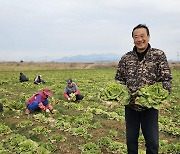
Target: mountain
{"points": [[108, 57]]}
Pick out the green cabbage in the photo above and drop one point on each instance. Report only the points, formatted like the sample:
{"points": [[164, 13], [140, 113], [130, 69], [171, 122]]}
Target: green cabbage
{"points": [[115, 92], [151, 96], [72, 97]]}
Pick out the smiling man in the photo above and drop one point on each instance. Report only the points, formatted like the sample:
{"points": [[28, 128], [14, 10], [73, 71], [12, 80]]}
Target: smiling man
{"points": [[142, 66], [141, 39]]}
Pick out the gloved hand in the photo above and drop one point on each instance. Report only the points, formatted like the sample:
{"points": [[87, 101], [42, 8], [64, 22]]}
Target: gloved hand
{"points": [[47, 110], [41, 106]]}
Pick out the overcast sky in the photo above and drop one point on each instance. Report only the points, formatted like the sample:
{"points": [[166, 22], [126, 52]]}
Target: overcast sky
{"points": [[52, 29]]}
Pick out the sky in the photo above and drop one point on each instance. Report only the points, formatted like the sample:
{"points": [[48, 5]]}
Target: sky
{"points": [[45, 30]]}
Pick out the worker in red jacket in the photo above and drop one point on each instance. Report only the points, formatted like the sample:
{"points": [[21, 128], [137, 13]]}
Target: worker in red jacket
{"points": [[39, 101]]}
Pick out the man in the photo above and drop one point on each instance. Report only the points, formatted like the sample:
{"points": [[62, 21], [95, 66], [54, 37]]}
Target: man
{"points": [[72, 88], [23, 78], [142, 66], [39, 101]]}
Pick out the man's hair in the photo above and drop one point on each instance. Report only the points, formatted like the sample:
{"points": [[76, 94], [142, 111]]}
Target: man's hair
{"points": [[141, 26]]}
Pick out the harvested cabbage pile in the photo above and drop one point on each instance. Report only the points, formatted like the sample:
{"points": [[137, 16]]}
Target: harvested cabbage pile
{"points": [[151, 96], [115, 92]]}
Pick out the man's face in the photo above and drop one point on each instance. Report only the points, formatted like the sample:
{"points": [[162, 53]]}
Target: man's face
{"points": [[141, 39], [70, 84]]}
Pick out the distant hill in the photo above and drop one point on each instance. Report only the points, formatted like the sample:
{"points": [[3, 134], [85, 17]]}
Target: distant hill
{"points": [[91, 58]]}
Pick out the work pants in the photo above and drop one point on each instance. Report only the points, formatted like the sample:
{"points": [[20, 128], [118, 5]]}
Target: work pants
{"points": [[147, 120], [34, 106]]}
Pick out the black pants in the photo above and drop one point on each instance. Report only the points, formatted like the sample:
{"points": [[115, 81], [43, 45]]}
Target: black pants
{"points": [[79, 97], [148, 121]]}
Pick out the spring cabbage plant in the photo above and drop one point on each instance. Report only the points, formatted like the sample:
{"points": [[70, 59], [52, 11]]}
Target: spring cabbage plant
{"points": [[152, 96], [115, 92], [72, 97]]}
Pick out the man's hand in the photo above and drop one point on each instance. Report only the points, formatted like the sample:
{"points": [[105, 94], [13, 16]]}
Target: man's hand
{"points": [[69, 98], [41, 106]]}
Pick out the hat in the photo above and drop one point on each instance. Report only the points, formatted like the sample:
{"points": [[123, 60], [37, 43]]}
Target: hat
{"points": [[69, 81], [47, 91]]}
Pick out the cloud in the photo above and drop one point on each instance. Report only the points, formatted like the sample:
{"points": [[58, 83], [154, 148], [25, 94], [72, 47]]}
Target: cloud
{"points": [[85, 26]]}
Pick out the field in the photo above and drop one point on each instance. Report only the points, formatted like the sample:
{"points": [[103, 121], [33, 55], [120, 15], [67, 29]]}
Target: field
{"points": [[88, 126]]}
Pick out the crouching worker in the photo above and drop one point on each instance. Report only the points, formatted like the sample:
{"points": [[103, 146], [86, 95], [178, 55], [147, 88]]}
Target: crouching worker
{"points": [[22, 77], [39, 80], [39, 101], [71, 92]]}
